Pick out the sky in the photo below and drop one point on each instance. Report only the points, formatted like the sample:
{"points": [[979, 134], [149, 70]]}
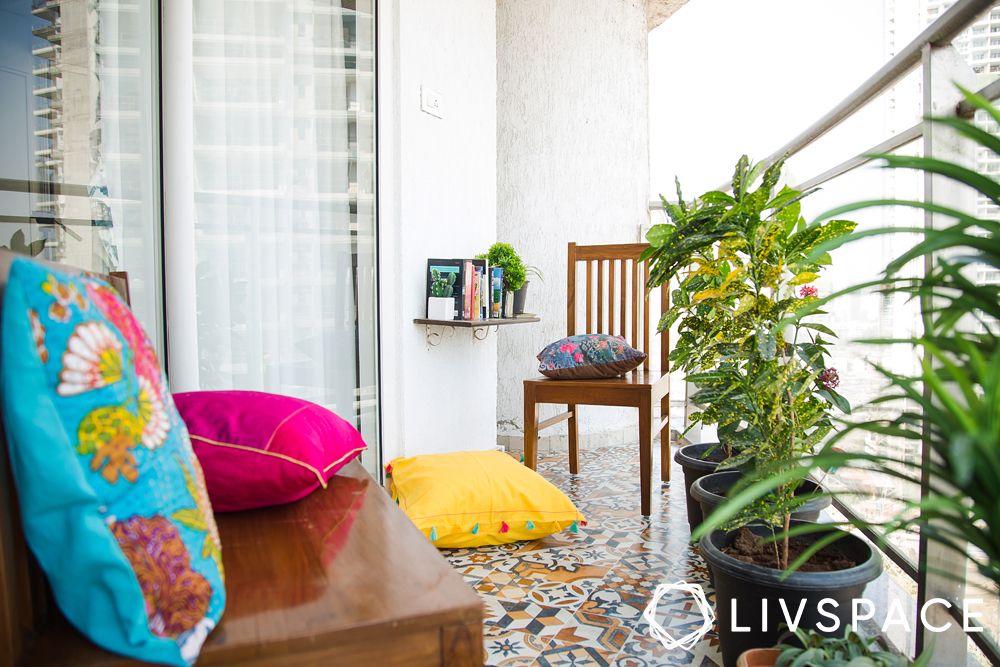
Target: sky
{"points": [[729, 77]]}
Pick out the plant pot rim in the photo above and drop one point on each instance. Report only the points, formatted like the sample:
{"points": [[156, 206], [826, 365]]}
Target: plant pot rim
{"points": [[703, 495], [862, 573], [767, 653], [683, 458]]}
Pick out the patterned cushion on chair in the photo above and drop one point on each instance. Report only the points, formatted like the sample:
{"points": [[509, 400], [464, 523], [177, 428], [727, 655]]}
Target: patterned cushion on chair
{"points": [[589, 356], [112, 498]]}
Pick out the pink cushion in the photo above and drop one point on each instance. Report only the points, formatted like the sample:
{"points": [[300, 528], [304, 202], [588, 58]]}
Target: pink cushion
{"points": [[259, 449]]}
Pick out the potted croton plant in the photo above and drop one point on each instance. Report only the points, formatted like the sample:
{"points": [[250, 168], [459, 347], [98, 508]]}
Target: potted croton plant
{"points": [[741, 264], [770, 391], [949, 404]]}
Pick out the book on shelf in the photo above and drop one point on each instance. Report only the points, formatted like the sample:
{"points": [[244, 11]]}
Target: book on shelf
{"points": [[479, 267], [496, 292], [469, 292]]}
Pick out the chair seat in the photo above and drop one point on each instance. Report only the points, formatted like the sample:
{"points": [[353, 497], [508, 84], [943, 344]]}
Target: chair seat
{"points": [[630, 379], [651, 384]]}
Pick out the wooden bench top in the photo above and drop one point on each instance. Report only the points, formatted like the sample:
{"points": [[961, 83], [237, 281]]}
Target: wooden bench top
{"points": [[340, 573]]}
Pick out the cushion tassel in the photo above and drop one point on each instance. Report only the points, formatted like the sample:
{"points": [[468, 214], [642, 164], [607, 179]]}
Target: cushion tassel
{"points": [[529, 525], [504, 527], [434, 534], [388, 470], [574, 528], [475, 529]]}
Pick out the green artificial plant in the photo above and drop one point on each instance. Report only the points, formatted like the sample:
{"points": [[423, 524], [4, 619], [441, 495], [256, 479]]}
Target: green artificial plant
{"points": [[745, 262], [514, 270]]}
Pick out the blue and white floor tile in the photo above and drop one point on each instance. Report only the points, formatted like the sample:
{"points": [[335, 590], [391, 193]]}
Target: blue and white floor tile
{"points": [[577, 599]]}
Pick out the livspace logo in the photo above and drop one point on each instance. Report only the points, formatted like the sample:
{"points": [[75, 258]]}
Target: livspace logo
{"points": [[658, 632], [862, 609]]}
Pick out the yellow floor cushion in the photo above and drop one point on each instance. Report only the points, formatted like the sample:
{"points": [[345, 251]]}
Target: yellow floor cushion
{"points": [[470, 499]]}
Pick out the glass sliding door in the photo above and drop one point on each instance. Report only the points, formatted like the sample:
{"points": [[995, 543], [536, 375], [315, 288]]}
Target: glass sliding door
{"points": [[283, 201], [79, 179]]}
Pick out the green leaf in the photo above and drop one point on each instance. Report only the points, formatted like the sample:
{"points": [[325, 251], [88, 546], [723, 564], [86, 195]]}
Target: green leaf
{"points": [[979, 182], [803, 278], [660, 234], [962, 458], [822, 328], [767, 344]]}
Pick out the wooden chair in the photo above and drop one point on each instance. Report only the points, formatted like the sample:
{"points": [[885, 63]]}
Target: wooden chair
{"points": [[637, 389], [339, 577]]}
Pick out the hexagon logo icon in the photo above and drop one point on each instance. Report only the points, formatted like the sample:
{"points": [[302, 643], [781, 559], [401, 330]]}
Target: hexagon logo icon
{"points": [[658, 632]]}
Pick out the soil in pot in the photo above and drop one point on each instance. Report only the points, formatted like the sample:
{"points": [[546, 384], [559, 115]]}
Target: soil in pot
{"points": [[710, 491], [748, 547], [745, 592], [698, 461]]}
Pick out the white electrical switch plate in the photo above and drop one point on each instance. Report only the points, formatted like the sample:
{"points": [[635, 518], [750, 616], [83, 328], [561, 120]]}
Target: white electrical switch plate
{"points": [[431, 102]]}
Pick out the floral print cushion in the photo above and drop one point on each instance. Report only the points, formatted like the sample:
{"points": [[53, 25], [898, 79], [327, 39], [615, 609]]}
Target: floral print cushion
{"points": [[589, 356], [112, 498]]}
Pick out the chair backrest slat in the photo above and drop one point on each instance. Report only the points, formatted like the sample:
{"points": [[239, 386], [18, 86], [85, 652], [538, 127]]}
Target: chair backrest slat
{"points": [[623, 304], [635, 311], [646, 347], [634, 303], [600, 296]]}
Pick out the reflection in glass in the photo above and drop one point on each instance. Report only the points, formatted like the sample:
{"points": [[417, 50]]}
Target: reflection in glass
{"points": [[78, 178]]}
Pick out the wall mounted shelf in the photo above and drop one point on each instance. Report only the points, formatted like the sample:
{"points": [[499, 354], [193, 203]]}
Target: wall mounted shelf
{"points": [[480, 328]]}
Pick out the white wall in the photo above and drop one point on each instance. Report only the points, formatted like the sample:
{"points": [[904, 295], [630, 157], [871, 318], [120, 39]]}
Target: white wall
{"points": [[437, 198], [573, 164]]}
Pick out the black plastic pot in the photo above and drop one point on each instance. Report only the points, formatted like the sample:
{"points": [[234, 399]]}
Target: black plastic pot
{"points": [[709, 491], [749, 584], [692, 459], [519, 296]]}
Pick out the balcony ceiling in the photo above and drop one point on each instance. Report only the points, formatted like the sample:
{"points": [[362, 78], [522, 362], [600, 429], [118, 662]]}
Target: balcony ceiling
{"points": [[658, 11]]}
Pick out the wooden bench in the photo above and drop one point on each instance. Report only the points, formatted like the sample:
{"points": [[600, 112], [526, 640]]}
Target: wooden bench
{"points": [[339, 578]]}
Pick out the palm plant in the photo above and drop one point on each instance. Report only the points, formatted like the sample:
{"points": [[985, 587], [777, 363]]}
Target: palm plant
{"points": [[955, 399]]}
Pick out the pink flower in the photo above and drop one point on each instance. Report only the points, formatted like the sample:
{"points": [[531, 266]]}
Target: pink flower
{"points": [[807, 291], [567, 347], [578, 357], [829, 378]]}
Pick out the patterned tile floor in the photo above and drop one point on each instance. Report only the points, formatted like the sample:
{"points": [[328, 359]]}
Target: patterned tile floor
{"points": [[577, 599]]}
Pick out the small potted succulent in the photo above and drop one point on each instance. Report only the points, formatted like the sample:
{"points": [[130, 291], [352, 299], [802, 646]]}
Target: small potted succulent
{"points": [[441, 303]]}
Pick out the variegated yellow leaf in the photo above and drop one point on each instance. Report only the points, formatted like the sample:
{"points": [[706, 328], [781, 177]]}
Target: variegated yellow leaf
{"points": [[707, 294]]}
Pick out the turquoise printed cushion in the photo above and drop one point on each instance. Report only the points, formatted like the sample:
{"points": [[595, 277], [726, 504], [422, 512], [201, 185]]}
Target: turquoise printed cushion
{"points": [[588, 356], [112, 498]]}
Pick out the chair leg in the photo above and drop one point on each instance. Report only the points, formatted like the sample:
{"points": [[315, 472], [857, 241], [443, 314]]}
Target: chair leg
{"points": [[645, 454], [574, 458], [530, 429], [665, 439]]}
